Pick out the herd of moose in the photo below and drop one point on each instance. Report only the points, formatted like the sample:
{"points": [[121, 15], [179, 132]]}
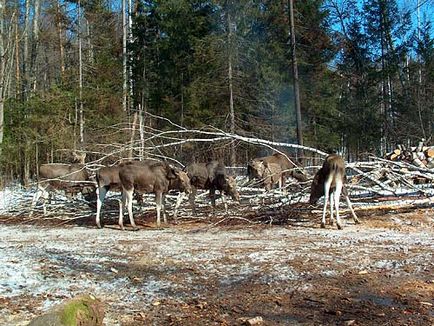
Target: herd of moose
{"points": [[159, 177]]}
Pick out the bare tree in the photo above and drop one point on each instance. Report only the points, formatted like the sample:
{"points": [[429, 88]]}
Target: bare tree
{"points": [[124, 56], [26, 45], [231, 93], [2, 66], [80, 73], [295, 75], [35, 43], [17, 54], [59, 26]]}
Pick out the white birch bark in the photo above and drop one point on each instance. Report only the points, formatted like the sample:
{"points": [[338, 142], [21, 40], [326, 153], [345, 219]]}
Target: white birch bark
{"points": [[124, 57], [35, 44], [231, 96], [2, 68], [60, 36], [17, 57], [91, 54], [80, 73], [142, 133], [26, 63]]}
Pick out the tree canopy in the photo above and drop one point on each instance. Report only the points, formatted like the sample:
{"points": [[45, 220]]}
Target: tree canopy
{"points": [[366, 72]]}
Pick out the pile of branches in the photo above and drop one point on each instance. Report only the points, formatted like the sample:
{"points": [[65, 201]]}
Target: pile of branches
{"points": [[377, 183], [421, 155]]}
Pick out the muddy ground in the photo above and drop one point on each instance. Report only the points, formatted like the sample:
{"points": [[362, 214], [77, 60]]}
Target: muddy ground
{"points": [[198, 273]]}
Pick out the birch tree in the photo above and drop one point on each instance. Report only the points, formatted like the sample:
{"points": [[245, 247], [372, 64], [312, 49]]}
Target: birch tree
{"points": [[230, 80], [60, 35], [2, 67], [80, 74]]}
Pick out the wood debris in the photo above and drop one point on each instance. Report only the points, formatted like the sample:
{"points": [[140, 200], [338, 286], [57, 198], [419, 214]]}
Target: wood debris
{"points": [[420, 155]]}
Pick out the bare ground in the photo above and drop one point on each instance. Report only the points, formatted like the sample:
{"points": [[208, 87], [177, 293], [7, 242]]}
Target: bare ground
{"points": [[194, 273]]}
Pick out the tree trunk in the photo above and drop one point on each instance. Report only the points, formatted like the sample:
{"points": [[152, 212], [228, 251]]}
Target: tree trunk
{"points": [[60, 35], [124, 56], [142, 133], [295, 78], [133, 135], [90, 50], [231, 93], [17, 56], [35, 44], [80, 73], [2, 68], [26, 63]]}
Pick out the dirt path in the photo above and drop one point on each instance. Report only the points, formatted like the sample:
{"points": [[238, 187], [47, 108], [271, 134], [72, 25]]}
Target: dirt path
{"points": [[378, 273]]}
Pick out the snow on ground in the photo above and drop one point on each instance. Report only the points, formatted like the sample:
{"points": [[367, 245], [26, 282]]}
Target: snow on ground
{"points": [[132, 270]]}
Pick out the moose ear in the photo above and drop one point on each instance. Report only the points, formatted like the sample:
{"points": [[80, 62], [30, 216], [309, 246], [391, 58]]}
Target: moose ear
{"points": [[171, 173], [174, 173]]}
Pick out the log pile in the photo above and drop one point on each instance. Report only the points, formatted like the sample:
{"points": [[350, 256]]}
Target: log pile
{"points": [[377, 184], [421, 156], [404, 178]]}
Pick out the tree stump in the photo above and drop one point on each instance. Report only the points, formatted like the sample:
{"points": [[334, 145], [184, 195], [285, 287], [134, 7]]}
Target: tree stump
{"points": [[84, 310]]}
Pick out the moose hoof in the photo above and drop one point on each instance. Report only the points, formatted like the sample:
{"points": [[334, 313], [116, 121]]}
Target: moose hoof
{"points": [[322, 225], [356, 222], [339, 226]]}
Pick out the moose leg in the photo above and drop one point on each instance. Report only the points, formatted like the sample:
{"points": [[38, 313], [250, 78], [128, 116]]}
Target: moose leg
{"points": [[356, 220], [337, 194], [41, 192], [163, 207], [122, 204], [46, 196], [327, 185], [191, 199], [212, 196], [35, 200], [100, 196], [130, 194], [281, 183], [178, 203], [223, 196], [331, 208], [158, 200]]}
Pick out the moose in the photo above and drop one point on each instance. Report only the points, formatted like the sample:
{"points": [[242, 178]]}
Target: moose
{"points": [[273, 169], [156, 178], [72, 178], [211, 176], [329, 181], [107, 179]]}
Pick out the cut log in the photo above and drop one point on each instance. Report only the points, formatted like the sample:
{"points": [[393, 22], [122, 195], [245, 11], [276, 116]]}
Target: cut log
{"points": [[82, 310], [416, 161], [429, 152], [421, 156], [420, 147]]}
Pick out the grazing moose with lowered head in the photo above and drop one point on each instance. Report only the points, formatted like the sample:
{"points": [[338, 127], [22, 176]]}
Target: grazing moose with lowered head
{"points": [[156, 178], [211, 176], [273, 169], [72, 178], [107, 179], [330, 181]]}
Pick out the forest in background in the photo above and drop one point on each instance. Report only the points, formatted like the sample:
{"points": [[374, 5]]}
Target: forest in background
{"points": [[84, 74]]}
